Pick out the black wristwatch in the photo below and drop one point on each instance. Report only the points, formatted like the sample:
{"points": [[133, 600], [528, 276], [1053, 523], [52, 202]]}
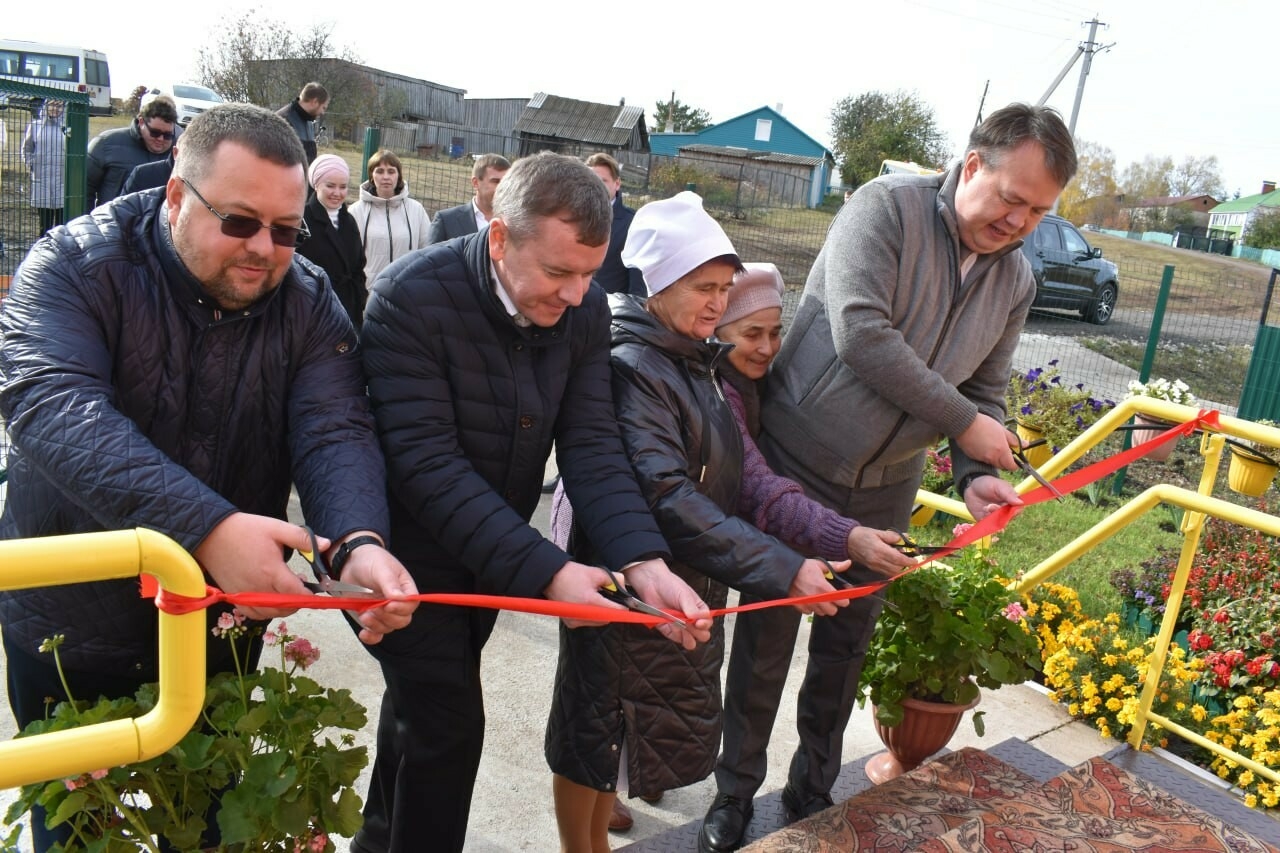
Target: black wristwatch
{"points": [[344, 551]]}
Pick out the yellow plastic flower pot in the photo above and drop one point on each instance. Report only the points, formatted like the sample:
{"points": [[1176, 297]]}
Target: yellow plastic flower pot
{"points": [[1250, 473], [1040, 454], [921, 515]]}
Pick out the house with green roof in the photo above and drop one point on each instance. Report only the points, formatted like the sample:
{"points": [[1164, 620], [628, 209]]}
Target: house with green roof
{"points": [[1233, 218]]}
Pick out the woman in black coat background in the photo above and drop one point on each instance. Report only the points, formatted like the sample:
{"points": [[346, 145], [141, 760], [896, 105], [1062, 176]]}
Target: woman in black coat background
{"points": [[334, 244]]}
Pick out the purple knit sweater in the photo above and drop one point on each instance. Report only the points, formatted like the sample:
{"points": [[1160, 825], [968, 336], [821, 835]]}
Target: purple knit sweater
{"points": [[779, 506]]}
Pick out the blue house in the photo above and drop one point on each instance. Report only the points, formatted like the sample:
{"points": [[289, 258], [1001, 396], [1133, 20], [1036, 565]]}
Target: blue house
{"points": [[763, 138]]}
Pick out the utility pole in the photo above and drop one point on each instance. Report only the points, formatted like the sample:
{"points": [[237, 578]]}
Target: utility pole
{"points": [[1087, 50]]}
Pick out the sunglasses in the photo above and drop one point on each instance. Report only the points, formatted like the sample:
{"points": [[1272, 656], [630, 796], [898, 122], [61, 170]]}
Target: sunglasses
{"points": [[244, 227], [158, 134]]}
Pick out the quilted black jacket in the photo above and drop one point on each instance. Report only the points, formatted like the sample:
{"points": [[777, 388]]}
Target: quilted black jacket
{"points": [[687, 453], [340, 253], [133, 401], [467, 405]]}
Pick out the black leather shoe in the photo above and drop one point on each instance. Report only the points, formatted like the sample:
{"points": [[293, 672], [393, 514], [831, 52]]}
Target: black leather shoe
{"points": [[725, 824], [549, 486], [800, 804]]}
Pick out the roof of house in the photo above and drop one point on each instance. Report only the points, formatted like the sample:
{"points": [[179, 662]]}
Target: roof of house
{"points": [[748, 154], [581, 121], [1175, 200], [1249, 202], [784, 138]]}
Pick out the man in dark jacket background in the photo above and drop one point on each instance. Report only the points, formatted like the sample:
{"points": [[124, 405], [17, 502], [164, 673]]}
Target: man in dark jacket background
{"points": [[115, 153], [168, 364], [481, 352], [615, 276], [304, 113]]}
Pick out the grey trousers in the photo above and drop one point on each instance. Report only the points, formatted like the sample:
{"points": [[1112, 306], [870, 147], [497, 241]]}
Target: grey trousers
{"points": [[764, 641]]}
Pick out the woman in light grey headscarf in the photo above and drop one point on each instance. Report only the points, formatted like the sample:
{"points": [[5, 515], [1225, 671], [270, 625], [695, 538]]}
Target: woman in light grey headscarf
{"points": [[44, 153]]}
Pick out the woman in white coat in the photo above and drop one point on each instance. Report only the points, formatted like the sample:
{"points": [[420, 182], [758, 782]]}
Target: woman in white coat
{"points": [[391, 224], [44, 153]]}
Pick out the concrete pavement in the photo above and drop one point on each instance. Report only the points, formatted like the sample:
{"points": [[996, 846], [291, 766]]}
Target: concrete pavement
{"points": [[512, 809]]}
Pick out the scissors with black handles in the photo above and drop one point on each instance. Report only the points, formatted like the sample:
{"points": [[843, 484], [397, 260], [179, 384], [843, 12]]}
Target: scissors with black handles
{"points": [[1020, 456], [620, 594], [911, 547], [324, 581]]}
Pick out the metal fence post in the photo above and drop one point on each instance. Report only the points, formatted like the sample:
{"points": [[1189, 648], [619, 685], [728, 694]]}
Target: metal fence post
{"points": [[372, 142]]}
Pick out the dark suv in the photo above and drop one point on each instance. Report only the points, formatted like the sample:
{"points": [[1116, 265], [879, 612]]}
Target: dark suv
{"points": [[1070, 273]]}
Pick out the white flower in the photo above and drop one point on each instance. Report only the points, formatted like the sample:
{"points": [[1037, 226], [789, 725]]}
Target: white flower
{"points": [[1176, 391]]}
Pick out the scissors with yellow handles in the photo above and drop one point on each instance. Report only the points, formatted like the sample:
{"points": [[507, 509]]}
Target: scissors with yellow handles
{"points": [[324, 581]]}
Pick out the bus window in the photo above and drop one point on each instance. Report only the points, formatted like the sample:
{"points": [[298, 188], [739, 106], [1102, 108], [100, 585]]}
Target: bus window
{"points": [[72, 68]]}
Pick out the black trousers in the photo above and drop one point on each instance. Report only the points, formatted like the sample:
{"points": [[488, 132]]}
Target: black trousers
{"points": [[763, 644], [430, 736]]}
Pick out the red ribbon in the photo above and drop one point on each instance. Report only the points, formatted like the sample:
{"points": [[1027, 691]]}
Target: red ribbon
{"points": [[175, 604]]}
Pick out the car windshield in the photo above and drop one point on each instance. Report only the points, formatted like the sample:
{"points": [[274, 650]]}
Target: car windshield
{"points": [[195, 93]]}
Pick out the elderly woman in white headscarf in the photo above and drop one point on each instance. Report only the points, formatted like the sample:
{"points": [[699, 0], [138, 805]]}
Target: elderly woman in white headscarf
{"points": [[624, 688]]}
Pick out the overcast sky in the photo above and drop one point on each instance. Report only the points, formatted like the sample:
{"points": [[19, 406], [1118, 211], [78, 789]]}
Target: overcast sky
{"points": [[1183, 78]]}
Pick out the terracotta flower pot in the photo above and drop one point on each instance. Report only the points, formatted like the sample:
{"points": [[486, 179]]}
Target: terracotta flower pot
{"points": [[1164, 451], [926, 727], [1250, 473], [1040, 454]]}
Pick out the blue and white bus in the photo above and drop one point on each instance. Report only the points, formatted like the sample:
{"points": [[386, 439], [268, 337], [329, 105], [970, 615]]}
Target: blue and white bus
{"points": [[75, 69]]}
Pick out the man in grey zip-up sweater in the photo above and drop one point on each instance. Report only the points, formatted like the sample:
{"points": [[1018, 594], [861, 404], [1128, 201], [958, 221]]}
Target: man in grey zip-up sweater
{"points": [[904, 334]]}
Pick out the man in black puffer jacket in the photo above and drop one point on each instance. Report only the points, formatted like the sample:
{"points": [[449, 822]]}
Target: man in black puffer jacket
{"points": [[115, 153], [480, 352], [170, 366]]}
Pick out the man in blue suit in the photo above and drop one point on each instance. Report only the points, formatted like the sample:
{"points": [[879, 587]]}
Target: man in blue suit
{"points": [[470, 217]]}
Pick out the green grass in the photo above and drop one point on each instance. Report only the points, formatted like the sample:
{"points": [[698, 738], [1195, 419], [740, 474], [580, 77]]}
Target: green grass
{"points": [[1039, 531], [1212, 371]]}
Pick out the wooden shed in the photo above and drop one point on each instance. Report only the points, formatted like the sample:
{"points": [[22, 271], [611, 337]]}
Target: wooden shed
{"points": [[578, 128]]}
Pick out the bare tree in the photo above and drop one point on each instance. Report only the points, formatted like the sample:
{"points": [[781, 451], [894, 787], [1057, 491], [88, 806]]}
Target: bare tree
{"points": [[262, 61], [1197, 176]]}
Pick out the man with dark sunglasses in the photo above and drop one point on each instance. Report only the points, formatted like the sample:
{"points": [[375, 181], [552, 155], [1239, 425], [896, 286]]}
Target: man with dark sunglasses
{"points": [[113, 154], [169, 364]]}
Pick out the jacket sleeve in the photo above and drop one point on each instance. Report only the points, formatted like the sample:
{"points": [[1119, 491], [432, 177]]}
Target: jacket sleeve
{"points": [[337, 464], [96, 172], [421, 226], [436, 232], [861, 262], [598, 479], [58, 397], [779, 506], [406, 360], [720, 545]]}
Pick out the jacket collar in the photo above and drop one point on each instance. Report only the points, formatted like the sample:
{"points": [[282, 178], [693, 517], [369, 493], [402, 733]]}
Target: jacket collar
{"points": [[475, 250], [632, 323], [184, 286]]}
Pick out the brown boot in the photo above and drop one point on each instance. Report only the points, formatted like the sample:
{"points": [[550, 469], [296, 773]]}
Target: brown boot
{"points": [[620, 820]]}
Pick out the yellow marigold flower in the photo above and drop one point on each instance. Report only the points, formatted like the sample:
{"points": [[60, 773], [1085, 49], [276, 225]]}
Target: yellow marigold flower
{"points": [[1114, 704], [1251, 801], [1245, 779], [1198, 713]]}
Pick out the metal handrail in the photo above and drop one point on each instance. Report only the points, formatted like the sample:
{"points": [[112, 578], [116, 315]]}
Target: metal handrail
{"points": [[25, 563], [1198, 505]]}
